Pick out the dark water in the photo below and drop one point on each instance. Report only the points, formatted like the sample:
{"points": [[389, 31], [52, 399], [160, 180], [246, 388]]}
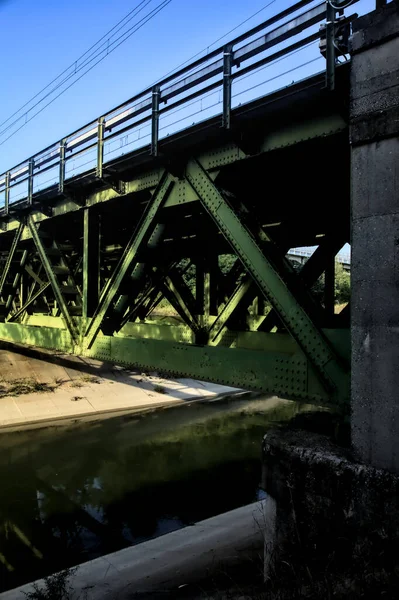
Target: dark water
{"points": [[73, 493]]}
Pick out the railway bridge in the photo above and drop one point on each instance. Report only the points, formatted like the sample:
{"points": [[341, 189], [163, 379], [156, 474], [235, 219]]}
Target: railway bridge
{"points": [[158, 235]]}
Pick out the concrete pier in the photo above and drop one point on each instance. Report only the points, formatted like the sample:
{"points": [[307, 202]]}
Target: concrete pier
{"points": [[374, 116]]}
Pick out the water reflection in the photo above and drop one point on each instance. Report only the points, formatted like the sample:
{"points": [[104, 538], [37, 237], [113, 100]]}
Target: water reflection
{"points": [[76, 492]]}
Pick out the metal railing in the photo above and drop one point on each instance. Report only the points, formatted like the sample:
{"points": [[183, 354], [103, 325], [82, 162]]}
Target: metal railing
{"points": [[213, 85]]}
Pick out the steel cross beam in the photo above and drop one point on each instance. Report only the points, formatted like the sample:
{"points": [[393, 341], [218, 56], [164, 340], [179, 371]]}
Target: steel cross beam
{"points": [[296, 320], [52, 279], [17, 279], [30, 301], [15, 242], [181, 298], [233, 302], [136, 242]]}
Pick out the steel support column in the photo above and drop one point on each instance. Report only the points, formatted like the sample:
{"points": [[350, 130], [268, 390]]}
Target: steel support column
{"points": [[91, 261], [10, 257]]}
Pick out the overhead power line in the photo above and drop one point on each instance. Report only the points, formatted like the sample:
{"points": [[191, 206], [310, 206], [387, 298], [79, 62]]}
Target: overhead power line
{"points": [[108, 45], [221, 38], [133, 12]]}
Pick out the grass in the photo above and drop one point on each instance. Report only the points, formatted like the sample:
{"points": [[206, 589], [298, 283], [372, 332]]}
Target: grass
{"points": [[160, 389], [18, 387], [91, 379], [55, 587], [76, 384]]}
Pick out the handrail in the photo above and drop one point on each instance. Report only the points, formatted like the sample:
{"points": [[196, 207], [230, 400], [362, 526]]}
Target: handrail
{"points": [[219, 69]]}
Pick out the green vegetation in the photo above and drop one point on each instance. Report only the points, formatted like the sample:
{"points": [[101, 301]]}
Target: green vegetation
{"points": [[342, 286], [18, 387], [160, 389], [55, 587]]}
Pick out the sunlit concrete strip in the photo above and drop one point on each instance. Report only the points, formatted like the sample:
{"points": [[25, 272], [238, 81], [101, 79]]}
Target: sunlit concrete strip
{"points": [[173, 560], [71, 388]]}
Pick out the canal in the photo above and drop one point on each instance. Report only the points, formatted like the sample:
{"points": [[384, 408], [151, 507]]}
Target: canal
{"points": [[75, 492]]}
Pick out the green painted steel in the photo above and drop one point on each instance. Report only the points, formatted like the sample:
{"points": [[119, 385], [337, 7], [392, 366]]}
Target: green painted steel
{"points": [[52, 279], [10, 257], [297, 321], [33, 297], [91, 261], [137, 240]]}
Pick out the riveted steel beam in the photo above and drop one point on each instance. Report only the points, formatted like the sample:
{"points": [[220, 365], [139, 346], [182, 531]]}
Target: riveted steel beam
{"points": [[33, 297], [296, 320], [178, 297], [310, 272], [10, 257], [52, 279], [136, 242], [91, 261], [219, 325], [16, 282]]}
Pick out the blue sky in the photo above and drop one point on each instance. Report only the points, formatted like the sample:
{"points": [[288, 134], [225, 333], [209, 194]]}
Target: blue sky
{"points": [[42, 37]]}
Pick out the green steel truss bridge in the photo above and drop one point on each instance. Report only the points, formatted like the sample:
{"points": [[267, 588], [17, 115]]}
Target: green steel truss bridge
{"points": [[146, 239]]}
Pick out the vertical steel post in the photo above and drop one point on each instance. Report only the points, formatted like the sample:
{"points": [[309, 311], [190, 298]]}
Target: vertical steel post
{"points": [[329, 287], [30, 180], [7, 192], [227, 67], [156, 92], [61, 180], [330, 48], [100, 147], [91, 261]]}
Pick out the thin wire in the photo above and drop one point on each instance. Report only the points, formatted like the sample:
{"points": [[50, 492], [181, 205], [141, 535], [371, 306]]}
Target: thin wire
{"points": [[109, 50], [153, 14], [277, 76], [76, 61], [220, 38]]}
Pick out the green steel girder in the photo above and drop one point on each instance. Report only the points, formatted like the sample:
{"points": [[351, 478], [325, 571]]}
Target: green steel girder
{"points": [[283, 370], [33, 297], [35, 276], [16, 282], [51, 276], [174, 297], [219, 325], [91, 261], [137, 241], [227, 154], [310, 272], [178, 294], [10, 257], [315, 346]]}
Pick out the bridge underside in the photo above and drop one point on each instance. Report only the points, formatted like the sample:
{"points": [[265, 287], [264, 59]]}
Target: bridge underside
{"points": [[178, 263]]}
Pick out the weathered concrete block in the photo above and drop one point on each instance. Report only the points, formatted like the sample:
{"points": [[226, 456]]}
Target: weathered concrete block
{"points": [[337, 520], [375, 178]]}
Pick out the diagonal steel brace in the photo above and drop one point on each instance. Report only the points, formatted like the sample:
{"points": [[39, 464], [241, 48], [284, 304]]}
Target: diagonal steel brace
{"points": [[312, 341]]}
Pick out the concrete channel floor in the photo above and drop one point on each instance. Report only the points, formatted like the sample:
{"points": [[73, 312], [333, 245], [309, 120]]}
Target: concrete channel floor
{"points": [[173, 562], [73, 387]]}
